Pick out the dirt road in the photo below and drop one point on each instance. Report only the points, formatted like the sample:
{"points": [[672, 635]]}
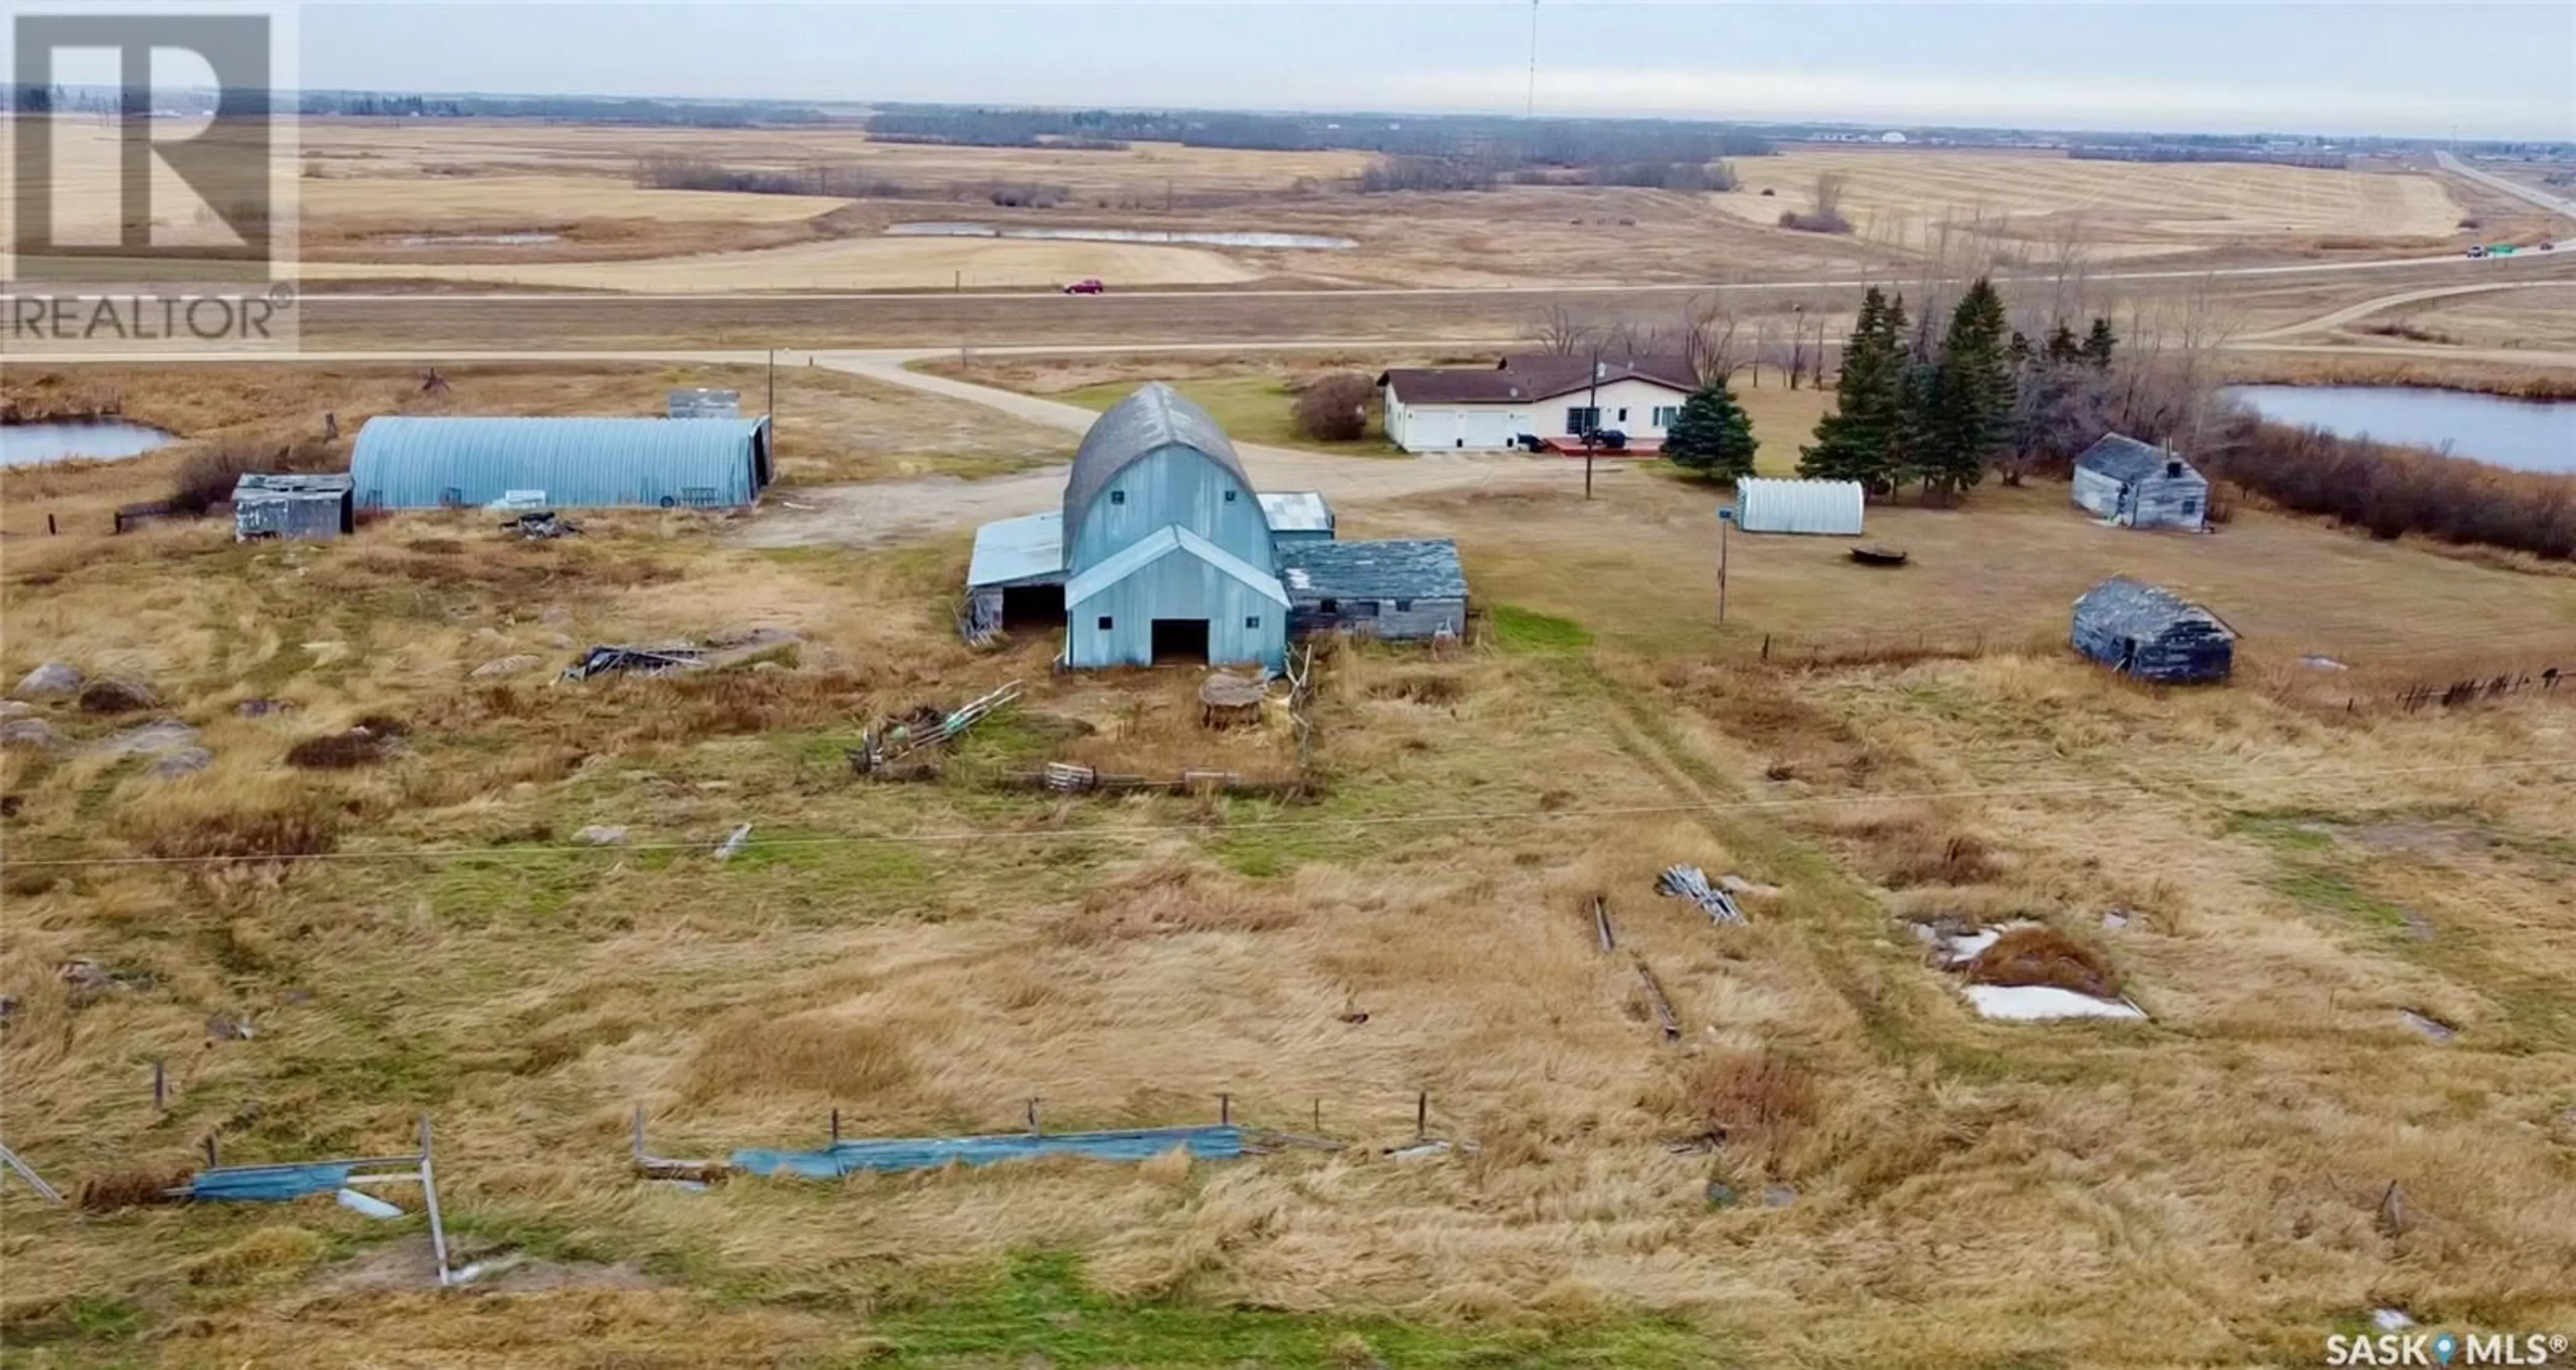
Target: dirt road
{"points": [[2366, 308], [885, 512]]}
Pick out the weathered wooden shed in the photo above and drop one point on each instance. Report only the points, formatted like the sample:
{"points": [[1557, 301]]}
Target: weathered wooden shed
{"points": [[1399, 590], [2134, 485], [293, 506], [2142, 631]]}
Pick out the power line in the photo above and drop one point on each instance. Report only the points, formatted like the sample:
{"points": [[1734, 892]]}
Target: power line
{"points": [[1455, 818]]}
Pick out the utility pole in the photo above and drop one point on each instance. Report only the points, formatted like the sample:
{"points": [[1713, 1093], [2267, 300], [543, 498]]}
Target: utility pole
{"points": [[772, 409], [1591, 417], [1725, 517]]}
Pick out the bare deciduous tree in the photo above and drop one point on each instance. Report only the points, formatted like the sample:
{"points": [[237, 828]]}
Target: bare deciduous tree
{"points": [[1560, 332]]}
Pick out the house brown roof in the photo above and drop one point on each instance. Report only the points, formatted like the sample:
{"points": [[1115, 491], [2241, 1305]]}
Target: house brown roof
{"points": [[1536, 376]]}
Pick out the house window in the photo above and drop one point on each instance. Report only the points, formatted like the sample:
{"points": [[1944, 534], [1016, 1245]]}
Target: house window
{"points": [[1581, 419], [1117, 497], [2191, 508], [1665, 414], [1253, 621], [1106, 623], [1623, 414]]}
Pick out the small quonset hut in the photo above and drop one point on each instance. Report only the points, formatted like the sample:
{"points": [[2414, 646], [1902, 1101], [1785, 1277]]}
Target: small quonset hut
{"points": [[2142, 631]]}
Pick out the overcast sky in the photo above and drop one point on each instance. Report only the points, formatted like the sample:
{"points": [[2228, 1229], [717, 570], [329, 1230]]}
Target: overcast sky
{"points": [[2493, 70]]}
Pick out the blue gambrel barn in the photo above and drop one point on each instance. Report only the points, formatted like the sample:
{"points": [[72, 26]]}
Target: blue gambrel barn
{"points": [[1163, 552], [405, 462], [1167, 552]]}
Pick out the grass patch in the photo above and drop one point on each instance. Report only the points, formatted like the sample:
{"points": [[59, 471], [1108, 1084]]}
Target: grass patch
{"points": [[1042, 1310], [1527, 630]]}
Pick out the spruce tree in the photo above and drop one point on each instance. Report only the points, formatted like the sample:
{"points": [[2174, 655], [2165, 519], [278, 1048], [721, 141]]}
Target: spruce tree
{"points": [[1712, 435], [1968, 404], [1853, 442], [2062, 346], [2098, 345]]}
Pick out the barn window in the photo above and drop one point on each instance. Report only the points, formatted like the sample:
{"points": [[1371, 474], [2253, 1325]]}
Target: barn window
{"points": [[1403, 606], [2191, 508], [1330, 606], [1117, 497], [1106, 623], [1229, 497], [451, 496], [1252, 621]]}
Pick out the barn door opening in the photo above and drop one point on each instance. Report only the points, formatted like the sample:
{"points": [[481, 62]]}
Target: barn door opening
{"points": [[1033, 606], [1180, 641]]}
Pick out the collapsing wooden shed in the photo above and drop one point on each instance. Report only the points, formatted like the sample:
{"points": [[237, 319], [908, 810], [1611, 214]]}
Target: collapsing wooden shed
{"points": [[2142, 631]]}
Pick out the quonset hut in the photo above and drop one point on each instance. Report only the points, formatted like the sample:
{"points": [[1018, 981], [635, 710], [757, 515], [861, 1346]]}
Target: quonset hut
{"points": [[403, 462], [2139, 630], [1163, 552]]}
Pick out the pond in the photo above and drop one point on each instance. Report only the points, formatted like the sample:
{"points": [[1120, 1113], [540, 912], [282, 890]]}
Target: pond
{"points": [[33, 444], [2528, 435], [477, 239], [1203, 238]]}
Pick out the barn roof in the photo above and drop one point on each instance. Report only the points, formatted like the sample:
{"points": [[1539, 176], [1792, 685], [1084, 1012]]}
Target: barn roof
{"points": [[1154, 417], [1423, 569], [2136, 609], [409, 461], [2124, 458], [1531, 377]]}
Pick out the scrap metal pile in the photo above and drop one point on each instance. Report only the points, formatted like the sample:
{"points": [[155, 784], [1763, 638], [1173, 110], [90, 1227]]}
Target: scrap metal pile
{"points": [[1692, 883]]}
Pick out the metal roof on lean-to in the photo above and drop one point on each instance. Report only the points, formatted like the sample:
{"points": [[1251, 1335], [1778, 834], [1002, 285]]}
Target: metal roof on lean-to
{"points": [[404, 461], [1012, 551], [2124, 458], [1154, 417], [2136, 609]]}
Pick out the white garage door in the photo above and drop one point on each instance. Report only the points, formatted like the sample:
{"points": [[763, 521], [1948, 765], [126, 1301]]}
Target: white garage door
{"points": [[1481, 428]]}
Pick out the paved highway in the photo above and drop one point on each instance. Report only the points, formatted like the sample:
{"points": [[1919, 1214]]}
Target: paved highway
{"points": [[2533, 194]]}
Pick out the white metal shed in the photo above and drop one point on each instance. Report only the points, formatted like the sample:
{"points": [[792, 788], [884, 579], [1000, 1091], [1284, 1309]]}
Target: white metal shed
{"points": [[1830, 507]]}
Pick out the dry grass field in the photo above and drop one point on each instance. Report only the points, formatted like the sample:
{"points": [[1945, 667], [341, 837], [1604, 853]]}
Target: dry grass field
{"points": [[1839, 1163], [419, 201], [2122, 209]]}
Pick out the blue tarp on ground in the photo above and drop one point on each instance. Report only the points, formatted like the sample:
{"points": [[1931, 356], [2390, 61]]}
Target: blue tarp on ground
{"points": [[267, 1183], [930, 1153]]}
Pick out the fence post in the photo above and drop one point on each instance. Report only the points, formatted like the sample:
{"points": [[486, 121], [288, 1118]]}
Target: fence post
{"points": [[1034, 1129], [160, 1086], [1421, 1115], [1225, 1110], [836, 1127]]}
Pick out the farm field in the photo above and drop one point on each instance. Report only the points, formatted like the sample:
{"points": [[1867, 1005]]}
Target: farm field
{"points": [[2123, 209], [1836, 1143], [424, 202]]}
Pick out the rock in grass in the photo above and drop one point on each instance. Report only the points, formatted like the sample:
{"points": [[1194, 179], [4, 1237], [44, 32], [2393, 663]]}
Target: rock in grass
{"points": [[32, 734], [161, 735], [15, 708], [112, 696], [51, 679], [185, 761], [505, 666], [601, 835]]}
